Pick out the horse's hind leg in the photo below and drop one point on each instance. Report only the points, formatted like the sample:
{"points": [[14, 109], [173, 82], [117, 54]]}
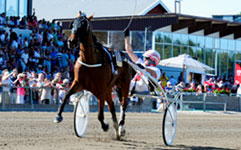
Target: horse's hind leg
{"points": [[73, 89], [111, 107], [123, 106]]}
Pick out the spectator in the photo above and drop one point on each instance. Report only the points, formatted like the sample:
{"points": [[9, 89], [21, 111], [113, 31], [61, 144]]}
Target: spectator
{"points": [[39, 69], [173, 81], [192, 87], [63, 89], [181, 86], [46, 92], [25, 42], [24, 60], [199, 89], [65, 60], [234, 88], [23, 23], [13, 89], [60, 58], [21, 82], [239, 91], [164, 79], [6, 82], [55, 84], [220, 84], [180, 77], [40, 82], [33, 83], [3, 18], [169, 86], [47, 60]]}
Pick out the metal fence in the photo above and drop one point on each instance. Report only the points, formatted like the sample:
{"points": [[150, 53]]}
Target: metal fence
{"points": [[28, 95], [188, 101], [210, 101], [31, 98]]}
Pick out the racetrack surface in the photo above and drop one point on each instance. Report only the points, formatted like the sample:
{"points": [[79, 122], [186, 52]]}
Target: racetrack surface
{"points": [[195, 130]]}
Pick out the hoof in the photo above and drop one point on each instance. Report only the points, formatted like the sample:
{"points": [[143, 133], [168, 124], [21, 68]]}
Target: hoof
{"points": [[105, 127], [118, 137], [58, 119], [121, 131]]}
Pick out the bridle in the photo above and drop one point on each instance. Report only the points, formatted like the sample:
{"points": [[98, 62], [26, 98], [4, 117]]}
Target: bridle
{"points": [[77, 40], [75, 25]]}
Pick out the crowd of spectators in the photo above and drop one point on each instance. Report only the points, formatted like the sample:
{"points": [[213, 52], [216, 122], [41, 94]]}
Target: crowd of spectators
{"points": [[211, 85], [37, 58]]}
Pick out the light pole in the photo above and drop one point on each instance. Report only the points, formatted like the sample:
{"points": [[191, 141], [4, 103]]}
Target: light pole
{"points": [[178, 2]]}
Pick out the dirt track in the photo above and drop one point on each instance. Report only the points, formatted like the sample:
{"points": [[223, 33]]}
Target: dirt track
{"points": [[36, 131]]}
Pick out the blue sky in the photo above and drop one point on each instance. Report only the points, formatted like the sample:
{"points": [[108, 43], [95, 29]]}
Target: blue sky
{"points": [[202, 8], [206, 8]]}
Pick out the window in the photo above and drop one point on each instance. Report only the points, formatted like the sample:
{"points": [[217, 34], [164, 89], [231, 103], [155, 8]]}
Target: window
{"points": [[12, 8], [199, 54], [200, 41], [2, 6], [159, 48], [231, 45], [238, 56], [23, 8], [224, 44], [223, 64], [184, 50], [184, 40], [138, 39], [176, 51], [101, 37], [192, 52], [210, 57], [209, 42], [117, 39], [238, 46], [167, 38], [192, 40], [231, 57], [176, 39], [159, 37], [167, 51]]}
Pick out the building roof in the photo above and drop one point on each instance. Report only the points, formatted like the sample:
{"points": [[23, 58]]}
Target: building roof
{"points": [[100, 8], [170, 22]]}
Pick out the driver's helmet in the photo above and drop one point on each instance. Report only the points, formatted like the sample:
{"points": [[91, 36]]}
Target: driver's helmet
{"points": [[153, 55]]}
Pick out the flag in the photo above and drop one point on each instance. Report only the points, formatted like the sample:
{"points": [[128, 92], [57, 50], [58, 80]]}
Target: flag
{"points": [[237, 78]]}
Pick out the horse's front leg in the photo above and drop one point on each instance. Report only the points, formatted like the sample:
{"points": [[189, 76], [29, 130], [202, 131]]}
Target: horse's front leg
{"points": [[73, 89], [105, 126]]}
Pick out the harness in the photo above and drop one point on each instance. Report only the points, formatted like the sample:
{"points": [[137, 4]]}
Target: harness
{"points": [[114, 58]]}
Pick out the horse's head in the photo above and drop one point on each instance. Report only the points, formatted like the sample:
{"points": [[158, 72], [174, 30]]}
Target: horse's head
{"points": [[79, 31]]}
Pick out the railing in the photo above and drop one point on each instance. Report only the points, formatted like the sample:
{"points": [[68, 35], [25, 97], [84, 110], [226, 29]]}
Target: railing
{"points": [[31, 96], [188, 101], [204, 100]]}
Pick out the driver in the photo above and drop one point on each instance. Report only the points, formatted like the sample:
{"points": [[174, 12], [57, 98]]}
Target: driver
{"points": [[150, 61]]}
